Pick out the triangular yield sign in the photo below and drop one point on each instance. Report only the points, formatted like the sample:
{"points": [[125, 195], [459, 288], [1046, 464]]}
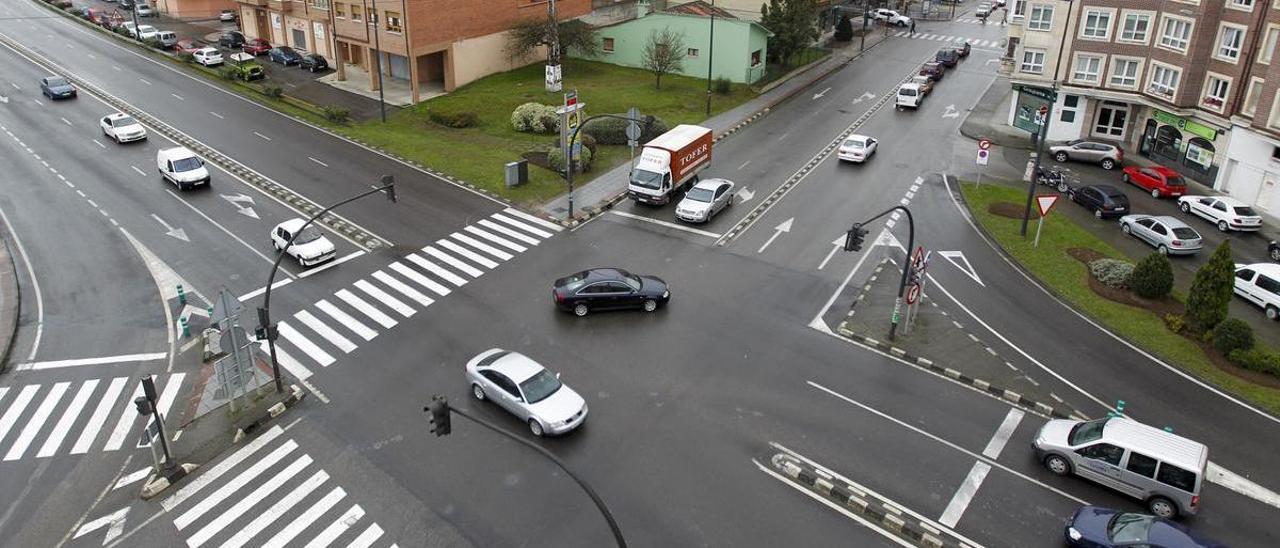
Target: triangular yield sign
{"points": [[1045, 203]]}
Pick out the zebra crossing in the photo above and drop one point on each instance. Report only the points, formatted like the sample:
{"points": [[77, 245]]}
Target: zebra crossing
{"points": [[269, 493], [954, 40], [332, 327], [75, 416]]}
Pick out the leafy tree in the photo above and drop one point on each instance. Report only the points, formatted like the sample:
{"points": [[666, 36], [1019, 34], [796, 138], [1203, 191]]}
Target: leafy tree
{"points": [[663, 53], [1232, 334], [529, 35], [1153, 277], [1211, 290], [793, 24], [844, 29]]}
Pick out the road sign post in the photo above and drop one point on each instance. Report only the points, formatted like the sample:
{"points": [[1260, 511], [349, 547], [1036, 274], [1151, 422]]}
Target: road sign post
{"points": [[633, 134], [1044, 203], [984, 151]]}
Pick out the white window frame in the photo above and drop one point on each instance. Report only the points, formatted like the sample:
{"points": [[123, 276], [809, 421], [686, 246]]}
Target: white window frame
{"points": [[1022, 65], [1208, 88], [1251, 97], [1116, 60], [1152, 84], [1020, 9], [1241, 5], [1273, 120], [1093, 126], [1165, 19], [1222, 34], [1266, 52], [1035, 24], [1146, 35], [1109, 13], [1097, 74]]}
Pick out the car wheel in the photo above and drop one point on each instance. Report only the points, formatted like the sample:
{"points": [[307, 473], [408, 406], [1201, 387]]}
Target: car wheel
{"points": [[1162, 250], [1185, 207], [650, 305], [1060, 156], [478, 392], [1272, 313], [1222, 226], [1108, 164], [535, 427], [1275, 254], [1162, 507], [1125, 229], [1057, 465], [580, 310], [1097, 214], [1155, 193]]}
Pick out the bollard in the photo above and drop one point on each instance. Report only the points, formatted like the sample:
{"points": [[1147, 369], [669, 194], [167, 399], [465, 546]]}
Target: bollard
{"points": [[1168, 429], [182, 295], [1120, 406], [186, 328]]}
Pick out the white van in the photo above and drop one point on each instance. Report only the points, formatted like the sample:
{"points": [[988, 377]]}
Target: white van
{"points": [[181, 167], [909, 96], [167, 38]]}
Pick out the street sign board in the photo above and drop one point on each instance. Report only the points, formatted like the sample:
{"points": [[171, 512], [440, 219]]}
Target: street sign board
{"points": [[633, 125], [1045, 203], [984, 144], [1044, 110], [982, 157], [1043, 93]]}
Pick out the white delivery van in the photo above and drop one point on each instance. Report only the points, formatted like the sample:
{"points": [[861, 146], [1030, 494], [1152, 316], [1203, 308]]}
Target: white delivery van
{"points": [[181, 167], [909, 96]]}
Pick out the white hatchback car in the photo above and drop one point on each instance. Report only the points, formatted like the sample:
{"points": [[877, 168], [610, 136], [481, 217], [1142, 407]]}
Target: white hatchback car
{"points": [[122, 128], [1260, 284], [208, 56], [309, 248], [1227, 213], [704, 200], [857, 148], [147, 32], [527, 390]]}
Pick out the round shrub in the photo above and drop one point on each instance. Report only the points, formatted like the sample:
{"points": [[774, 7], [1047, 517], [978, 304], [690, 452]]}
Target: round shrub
{"points": [[535, 118], [1232, 334], [336, 114], [1152, 277], [590, 143], [613, 131], [1258, 358], [274, 92], [1112, 272], [723, 86], [555, 157]]}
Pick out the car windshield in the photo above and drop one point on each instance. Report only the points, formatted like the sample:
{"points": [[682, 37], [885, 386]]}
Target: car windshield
{"points": [[633, 281], [187, 164], [1176, 180], [1245, 211], [699, 194], [907, 92], [310, 234], [1185, 233], [125, 121], [54, 82], [540, 386], [854, 143], [1129, 528], [647, 179], [1086, 432]]}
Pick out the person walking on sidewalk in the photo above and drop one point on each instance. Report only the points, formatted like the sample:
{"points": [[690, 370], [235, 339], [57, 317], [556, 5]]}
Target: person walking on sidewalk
{"points": [[1004, 16], [913, 27]]}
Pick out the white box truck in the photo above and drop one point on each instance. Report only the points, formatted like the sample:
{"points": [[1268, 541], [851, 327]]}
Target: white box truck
{"points": [[669, 162]]}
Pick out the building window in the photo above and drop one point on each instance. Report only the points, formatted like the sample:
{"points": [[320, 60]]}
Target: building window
{"points": [[1251, 98], [1097, 24], [1274, 120], [322, 4], [756, 57], [1088, 67], [340, 10], [1041, 17], [693, 52], [392, 22], [1033, 61], [1215, 92], [1136, 27], [1124, 73], [1269, 45], [1112, 117], [1229, 40], [1164, 80], [357, 13], [1019, 8], [606, 44], [1175, 34], [1245, 5]]}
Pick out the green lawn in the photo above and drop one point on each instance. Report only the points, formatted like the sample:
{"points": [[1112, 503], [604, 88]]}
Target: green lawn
{"points": [[1069, 278], [477, 154]]}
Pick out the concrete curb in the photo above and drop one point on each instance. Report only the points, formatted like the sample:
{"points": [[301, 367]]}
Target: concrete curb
{"points": [[295, 397], [11, 305]]}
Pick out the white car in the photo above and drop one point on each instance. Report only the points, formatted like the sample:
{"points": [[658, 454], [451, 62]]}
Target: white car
{"points": [[1260, 285], [181, 167], [122, 128], [891, 17], [130, 28], [857, 148], [145, 10], [527, 390], [208, 56], [1227, 213], [704, 200], [309, 248], [146, 32], [227, 16]]}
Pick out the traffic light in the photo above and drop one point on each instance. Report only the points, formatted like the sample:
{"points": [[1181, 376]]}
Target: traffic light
{"points": [[438, 410], [853, 239]]}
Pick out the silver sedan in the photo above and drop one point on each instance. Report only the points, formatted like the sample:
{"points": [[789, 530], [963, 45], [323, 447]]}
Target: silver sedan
{"points": [[704, 200], [527, 390], [1168, 235]]}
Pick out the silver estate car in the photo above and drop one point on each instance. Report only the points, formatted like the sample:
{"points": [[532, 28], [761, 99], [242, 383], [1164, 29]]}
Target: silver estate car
{"points": [[704, 200], [527, 390], [1080, 150], [1169, 235]]}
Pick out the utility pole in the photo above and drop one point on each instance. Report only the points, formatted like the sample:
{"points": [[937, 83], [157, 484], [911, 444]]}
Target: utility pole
{"points": [[553, 75], [377, 47], [711, 52]]}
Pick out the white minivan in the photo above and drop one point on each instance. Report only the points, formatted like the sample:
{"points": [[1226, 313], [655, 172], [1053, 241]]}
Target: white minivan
{"points": [[909, 96], [1260, 285], [181, 167]]}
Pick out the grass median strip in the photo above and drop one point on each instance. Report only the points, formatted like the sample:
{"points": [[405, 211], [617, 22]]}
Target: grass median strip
{"points": [[1068, 277]]}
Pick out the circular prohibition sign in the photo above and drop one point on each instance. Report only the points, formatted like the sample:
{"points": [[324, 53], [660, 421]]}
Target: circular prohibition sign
{"points": [[913, 293]]}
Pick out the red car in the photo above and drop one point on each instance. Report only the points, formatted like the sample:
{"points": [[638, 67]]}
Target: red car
{"points": [[257, 46], [1160, 180], [187, 45]]}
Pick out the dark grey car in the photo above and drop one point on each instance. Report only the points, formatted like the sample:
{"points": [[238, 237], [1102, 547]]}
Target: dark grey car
{"points": [[1081, 150], [57, 87], [1103, 200]]}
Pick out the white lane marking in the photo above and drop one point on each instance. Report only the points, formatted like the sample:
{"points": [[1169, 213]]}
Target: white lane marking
{"points": [[419, 278], [170, 393], [437, 270], [501, 255], [178, 97], [535, 220], [343, 318], [344, 344], [229, 488], [95, 141], [277, 509], [337, 528], [132, 477], [744, 164], [63, 427], [116, 67], [212, 474], [37, 102], [520, 225], [313, 159], [35, 285], [828, 503], [365, 308], [244, 504], [114, 522], [304, 521], [964, 495], [475, 257], [507, 231], [403, 288], [36, 421], [366, 539], [229, 233], [275, 285], [66, 121], [385, 298], [292, 365], [216, 115], [261, 135], [667, 224], [496, 239], [124, 358], [16, 407], [332, 263], [1001, 437], [128, 414], [451, 261], [305, 345], [817, 322], [15, 86], [1235, 482], [99, 417], [140, 172], [143, 80]]}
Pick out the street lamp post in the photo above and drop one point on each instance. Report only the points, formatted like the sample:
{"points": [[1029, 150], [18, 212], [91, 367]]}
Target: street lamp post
{"points": [[264, 312]]}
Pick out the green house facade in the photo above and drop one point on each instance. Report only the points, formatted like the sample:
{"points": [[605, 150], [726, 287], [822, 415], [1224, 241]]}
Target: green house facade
{"points": [[738, 54]]}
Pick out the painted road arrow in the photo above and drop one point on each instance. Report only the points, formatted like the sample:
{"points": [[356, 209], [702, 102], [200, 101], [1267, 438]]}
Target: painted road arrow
{"points": [[785, 226], [951, 112], [238, 200], [836, 245], [865, 96], [820, 94], [957, 257], [745, 194], [175, 232], [4, 99], [113, 521]]}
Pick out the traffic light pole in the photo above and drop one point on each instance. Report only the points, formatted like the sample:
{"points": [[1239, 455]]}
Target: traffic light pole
{"points": [[854, 243]]}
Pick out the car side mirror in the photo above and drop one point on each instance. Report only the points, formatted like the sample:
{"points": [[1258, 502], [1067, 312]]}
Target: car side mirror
{"points": [[557, 375]]}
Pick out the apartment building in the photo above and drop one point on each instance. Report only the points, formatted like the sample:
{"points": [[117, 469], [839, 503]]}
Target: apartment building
{"points": [[303, 25], [1186, 83]]}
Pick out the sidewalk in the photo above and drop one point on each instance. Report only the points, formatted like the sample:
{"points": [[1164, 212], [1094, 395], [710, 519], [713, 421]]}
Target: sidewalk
{"points": [[603, 191]]}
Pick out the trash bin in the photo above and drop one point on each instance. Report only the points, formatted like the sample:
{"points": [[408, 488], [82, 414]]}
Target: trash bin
{"points": [[517, 173]]}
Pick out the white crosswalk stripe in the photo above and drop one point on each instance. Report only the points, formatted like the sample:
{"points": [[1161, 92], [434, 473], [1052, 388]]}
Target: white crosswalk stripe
{"points": [[125, 423], [245, 503], [520, 225], [507, 231], [496, 239], [451, 261], [287, 361], [344, 344], [99, 417], [385, 298], [367, 538], [345, 319], [532, 219], [419, 278], [337, 528], [365, 308], [438, 270], [274, 512], [502, 255], [403, 288], [19, 404], [68, 419], [473, 256], [36, 421], [306, 519], [304, 344]]}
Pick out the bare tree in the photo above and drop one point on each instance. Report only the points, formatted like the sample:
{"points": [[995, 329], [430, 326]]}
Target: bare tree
{"points": [[556, 37], [664, 53]]}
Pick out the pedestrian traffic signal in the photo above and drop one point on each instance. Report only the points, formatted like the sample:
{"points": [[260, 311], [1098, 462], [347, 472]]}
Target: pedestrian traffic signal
{"points": [[438, 415], [853, 239]]}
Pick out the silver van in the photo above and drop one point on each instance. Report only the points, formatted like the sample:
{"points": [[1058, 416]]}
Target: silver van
{"points": [[1160, 468], [167, 38]]}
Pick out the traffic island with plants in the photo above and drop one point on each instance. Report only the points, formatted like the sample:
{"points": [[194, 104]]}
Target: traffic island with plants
{"points": [[1138, 301]]}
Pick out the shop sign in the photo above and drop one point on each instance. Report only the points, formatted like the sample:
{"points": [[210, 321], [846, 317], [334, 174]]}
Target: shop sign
{"points": [[1189, 126]]}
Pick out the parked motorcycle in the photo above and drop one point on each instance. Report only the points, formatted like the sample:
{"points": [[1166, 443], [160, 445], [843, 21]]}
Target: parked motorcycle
{"points": [[1052, 178]]}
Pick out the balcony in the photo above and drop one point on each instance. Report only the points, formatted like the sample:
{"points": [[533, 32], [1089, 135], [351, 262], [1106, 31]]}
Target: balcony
{"points": [[282, 6], [259, 3]]}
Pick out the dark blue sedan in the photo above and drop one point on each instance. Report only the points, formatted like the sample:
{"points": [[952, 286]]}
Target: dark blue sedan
{"points": [[57, 87], [1098, 527], [285, 55]]}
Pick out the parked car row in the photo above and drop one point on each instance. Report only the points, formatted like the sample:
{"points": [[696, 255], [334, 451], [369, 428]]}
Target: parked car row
{"points": [[912, 92]]}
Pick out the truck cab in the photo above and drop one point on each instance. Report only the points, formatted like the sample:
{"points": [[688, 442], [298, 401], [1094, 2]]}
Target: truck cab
{"points": [[670, 162]]}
